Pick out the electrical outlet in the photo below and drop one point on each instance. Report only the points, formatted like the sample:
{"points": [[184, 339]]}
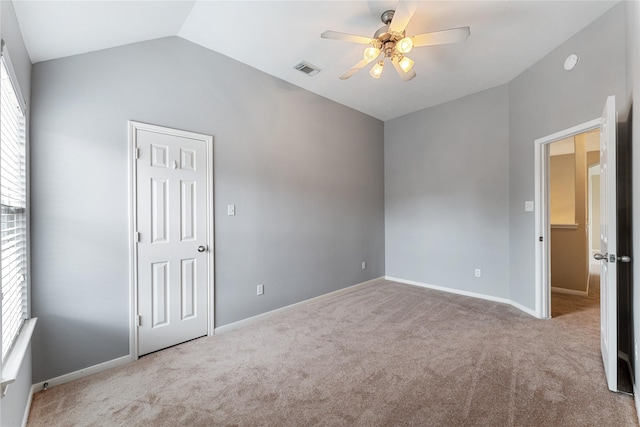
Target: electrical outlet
{"points": [[478, 272], [364, 264], [260, 290]]}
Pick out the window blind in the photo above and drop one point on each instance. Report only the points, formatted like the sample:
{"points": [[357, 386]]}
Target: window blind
{"points": [[12, 212]]}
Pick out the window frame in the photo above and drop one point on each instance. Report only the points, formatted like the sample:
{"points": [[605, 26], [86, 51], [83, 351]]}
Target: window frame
{"points": [[10, 366]]}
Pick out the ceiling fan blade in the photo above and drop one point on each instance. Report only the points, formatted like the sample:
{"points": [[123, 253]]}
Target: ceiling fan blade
{"points": [[359, 66], [402, 16], [335, 35], [404, 76], [455, 35]]}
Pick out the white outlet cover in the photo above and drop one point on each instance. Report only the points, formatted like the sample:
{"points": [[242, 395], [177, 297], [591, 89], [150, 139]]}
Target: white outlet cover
{"points": [[528, 206]]}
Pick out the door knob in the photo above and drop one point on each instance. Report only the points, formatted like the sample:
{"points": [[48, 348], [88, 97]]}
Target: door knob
{"points": [[202, 248], [600, 257], [624, 258]]}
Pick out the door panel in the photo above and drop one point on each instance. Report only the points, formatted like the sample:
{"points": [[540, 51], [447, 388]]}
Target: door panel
{"points": [[188, 286], [171, 176], [159, 210], [608, 245], [187, 210]]}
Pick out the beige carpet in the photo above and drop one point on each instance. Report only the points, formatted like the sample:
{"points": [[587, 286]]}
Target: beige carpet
{"points": [[383, 354]]}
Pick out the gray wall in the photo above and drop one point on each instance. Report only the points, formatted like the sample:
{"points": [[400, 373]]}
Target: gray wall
{"points": [[632, 100], [546, 99], [305, 174], [447, 194], [13, 405]]}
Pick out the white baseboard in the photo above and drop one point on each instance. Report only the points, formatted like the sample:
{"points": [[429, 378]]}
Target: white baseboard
{"points": [[521, 307], [569, 291], [81, 373], [465, 293], [636, 399], [240, 323]]}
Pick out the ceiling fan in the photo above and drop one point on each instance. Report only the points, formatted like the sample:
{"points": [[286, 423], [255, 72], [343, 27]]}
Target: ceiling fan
{"points": [[390, 42]]}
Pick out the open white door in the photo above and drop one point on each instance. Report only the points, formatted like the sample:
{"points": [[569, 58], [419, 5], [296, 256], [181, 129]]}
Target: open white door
{"points": [[608, 245]]}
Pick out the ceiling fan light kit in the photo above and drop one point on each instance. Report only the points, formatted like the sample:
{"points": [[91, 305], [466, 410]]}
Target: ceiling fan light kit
{"points": [[377, 69], [391, 42]]}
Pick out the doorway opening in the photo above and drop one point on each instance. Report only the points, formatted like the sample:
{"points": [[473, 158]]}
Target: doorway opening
{"points": [[564, 220], [573, 227]]}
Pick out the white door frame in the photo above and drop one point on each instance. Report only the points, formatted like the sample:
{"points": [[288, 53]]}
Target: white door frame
{"points": [[542, 226], [591, 172], [133, 227]]}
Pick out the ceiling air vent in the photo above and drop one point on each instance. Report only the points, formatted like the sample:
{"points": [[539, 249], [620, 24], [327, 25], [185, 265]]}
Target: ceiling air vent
{"points": [[308, 69]]}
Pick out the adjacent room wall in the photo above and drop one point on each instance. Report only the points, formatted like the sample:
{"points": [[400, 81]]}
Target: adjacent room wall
{"points": [[305, 174], [569, 243], [13, 405], [447, 194], [546, 99], [562, 189]]}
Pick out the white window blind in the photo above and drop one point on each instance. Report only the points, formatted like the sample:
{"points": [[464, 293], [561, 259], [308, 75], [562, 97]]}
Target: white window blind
{"points": [[12, 212]]}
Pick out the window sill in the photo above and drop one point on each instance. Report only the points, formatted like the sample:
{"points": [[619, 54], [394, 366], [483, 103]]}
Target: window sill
{"points": [[11, 366]]}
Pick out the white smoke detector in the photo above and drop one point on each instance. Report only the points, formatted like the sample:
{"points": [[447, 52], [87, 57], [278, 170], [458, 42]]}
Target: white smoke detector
{"points": [[571, 62]]}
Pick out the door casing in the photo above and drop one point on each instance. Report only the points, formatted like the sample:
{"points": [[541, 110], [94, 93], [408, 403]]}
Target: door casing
{"points": [[133, 228], [542, 225]]}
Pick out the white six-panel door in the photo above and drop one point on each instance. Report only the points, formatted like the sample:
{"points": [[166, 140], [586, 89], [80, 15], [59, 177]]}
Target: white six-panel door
{"points": [[608, 245], [173, 240]]}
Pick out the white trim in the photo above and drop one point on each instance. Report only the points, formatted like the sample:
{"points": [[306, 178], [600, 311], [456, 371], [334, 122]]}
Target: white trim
{"points": [[240, 323], [13, 362], [14, 78], [593, 171], [636, 399], [133, 252], [133, 247], [27, 408], [211, 237], [569, 291], [521, 307], [72, 376], [542, 226], [465, 293]]}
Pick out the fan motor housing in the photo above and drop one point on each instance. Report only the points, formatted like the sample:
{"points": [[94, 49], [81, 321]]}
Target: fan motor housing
{"points": [[385, 40]]}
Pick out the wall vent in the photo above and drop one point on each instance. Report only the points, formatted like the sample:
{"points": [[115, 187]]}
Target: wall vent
{"points": [[308, 69]]}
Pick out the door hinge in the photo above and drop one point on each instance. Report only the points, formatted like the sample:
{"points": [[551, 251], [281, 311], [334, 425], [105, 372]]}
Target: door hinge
{"points": [[540, 238], [139, 320], [137, 237], [136, 153]]}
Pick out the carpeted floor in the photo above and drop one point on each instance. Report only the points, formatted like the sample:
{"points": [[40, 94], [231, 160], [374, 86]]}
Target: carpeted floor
{"points": [[384, 354]]}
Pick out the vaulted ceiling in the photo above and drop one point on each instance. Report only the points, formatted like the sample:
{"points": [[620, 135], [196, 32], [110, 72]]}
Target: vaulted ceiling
{"points": [[506, 38]]}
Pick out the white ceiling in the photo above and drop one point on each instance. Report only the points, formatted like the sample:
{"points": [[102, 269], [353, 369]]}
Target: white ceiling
{"points": [[506, 38]]}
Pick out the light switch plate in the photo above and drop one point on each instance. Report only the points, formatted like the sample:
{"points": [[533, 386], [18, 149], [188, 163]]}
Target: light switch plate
{"points": [[231, 210], [528, 206]]}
